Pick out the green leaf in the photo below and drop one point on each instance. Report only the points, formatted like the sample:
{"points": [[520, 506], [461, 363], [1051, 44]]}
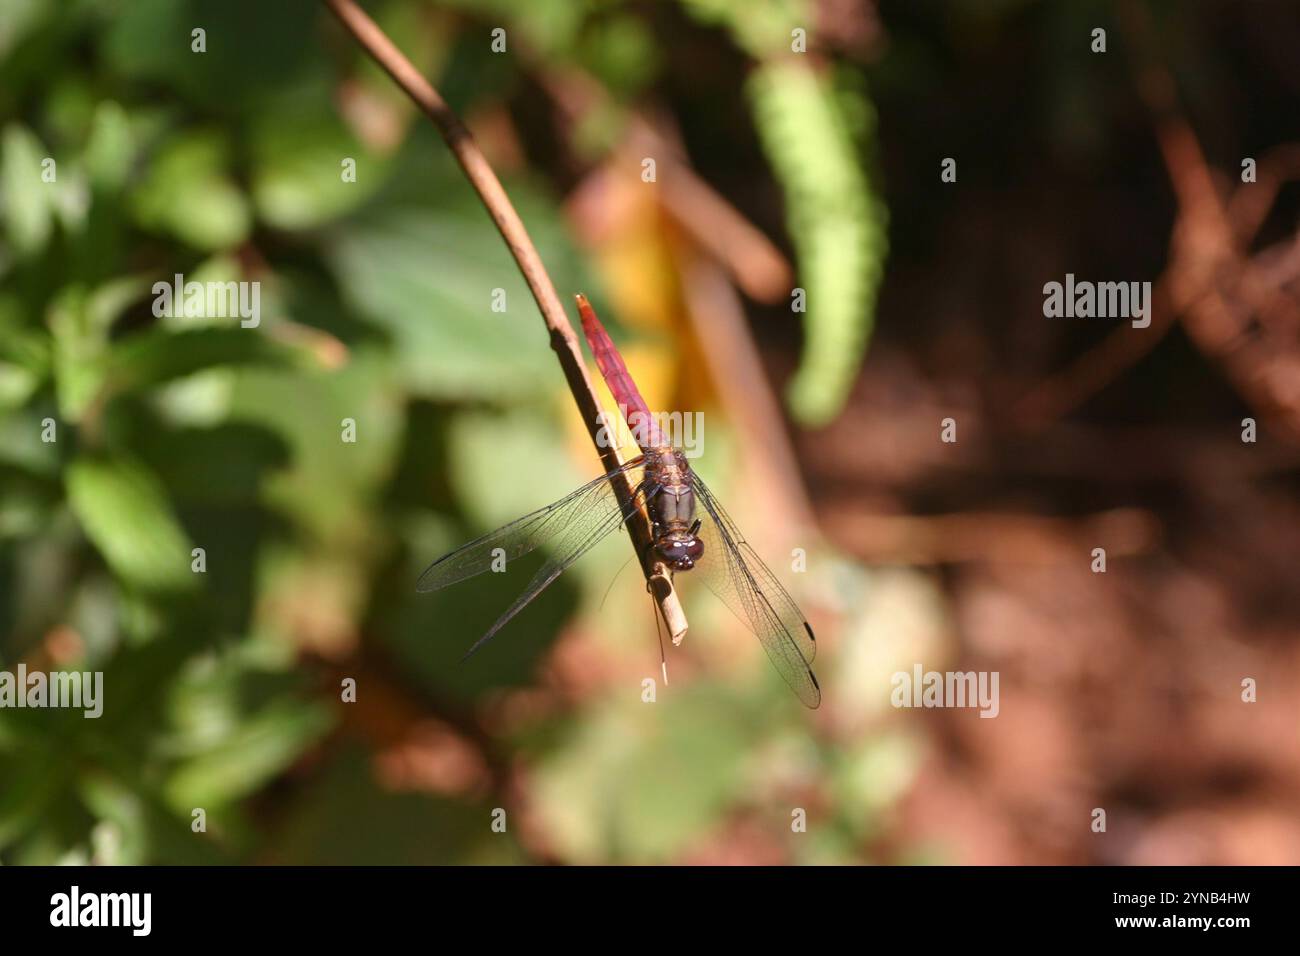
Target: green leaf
{"points": [[18, 19], [249, 756], [761, 27], [125, 513], [20, 342], [27, 201], [298, 182], [110, 299], [80, 323], [254, 49], [188, 193], [21, 445], [110, 148], [17, 384], [450, 342], [330, 483], [121, 836], [835, 219], [78, 353], [484, 452], [159, 355]]}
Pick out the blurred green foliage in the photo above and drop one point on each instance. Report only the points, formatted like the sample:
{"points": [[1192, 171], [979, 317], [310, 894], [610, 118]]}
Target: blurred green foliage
{"points": [[835, 220], [128, 439], [816, 132]]}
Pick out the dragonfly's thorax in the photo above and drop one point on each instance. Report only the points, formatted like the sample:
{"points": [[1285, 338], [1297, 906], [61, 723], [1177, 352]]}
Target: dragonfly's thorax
{"points": [[672, 510]]}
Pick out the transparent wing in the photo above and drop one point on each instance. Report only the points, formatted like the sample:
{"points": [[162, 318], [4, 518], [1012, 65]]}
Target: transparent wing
{"points": [[732, 570], [523, 535], [570, 528]]}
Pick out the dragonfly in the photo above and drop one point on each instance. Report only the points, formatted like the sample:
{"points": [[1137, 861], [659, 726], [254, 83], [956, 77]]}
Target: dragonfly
{"points": [[690, 532]]}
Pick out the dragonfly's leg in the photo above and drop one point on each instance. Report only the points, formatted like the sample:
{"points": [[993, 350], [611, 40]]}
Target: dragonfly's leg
{"points": [[659, 633]]}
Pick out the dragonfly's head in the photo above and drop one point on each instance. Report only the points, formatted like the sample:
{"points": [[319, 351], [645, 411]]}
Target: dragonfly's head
{"points": [[680, 549]]}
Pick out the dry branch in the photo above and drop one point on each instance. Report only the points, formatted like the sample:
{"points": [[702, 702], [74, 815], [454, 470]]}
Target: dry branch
{"points": [[511, 227]]}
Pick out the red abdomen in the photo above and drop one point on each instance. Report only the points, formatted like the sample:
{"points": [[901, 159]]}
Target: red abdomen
{"points": [[614, 370]]}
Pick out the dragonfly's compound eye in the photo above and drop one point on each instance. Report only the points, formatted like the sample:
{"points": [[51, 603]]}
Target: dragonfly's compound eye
{"points": [[681, 552]]}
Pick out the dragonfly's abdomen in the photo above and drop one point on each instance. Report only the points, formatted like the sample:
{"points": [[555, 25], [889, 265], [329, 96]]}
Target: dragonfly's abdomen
{"points": [[614, 370]]}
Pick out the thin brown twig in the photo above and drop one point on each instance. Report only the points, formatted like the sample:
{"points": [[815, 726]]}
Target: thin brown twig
{"points": [[563, 341]]}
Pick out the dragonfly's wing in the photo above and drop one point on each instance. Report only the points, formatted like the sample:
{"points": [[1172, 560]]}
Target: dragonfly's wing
{"points": [[569, 528], [583, 534], [736, 574], [523, 535]]}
